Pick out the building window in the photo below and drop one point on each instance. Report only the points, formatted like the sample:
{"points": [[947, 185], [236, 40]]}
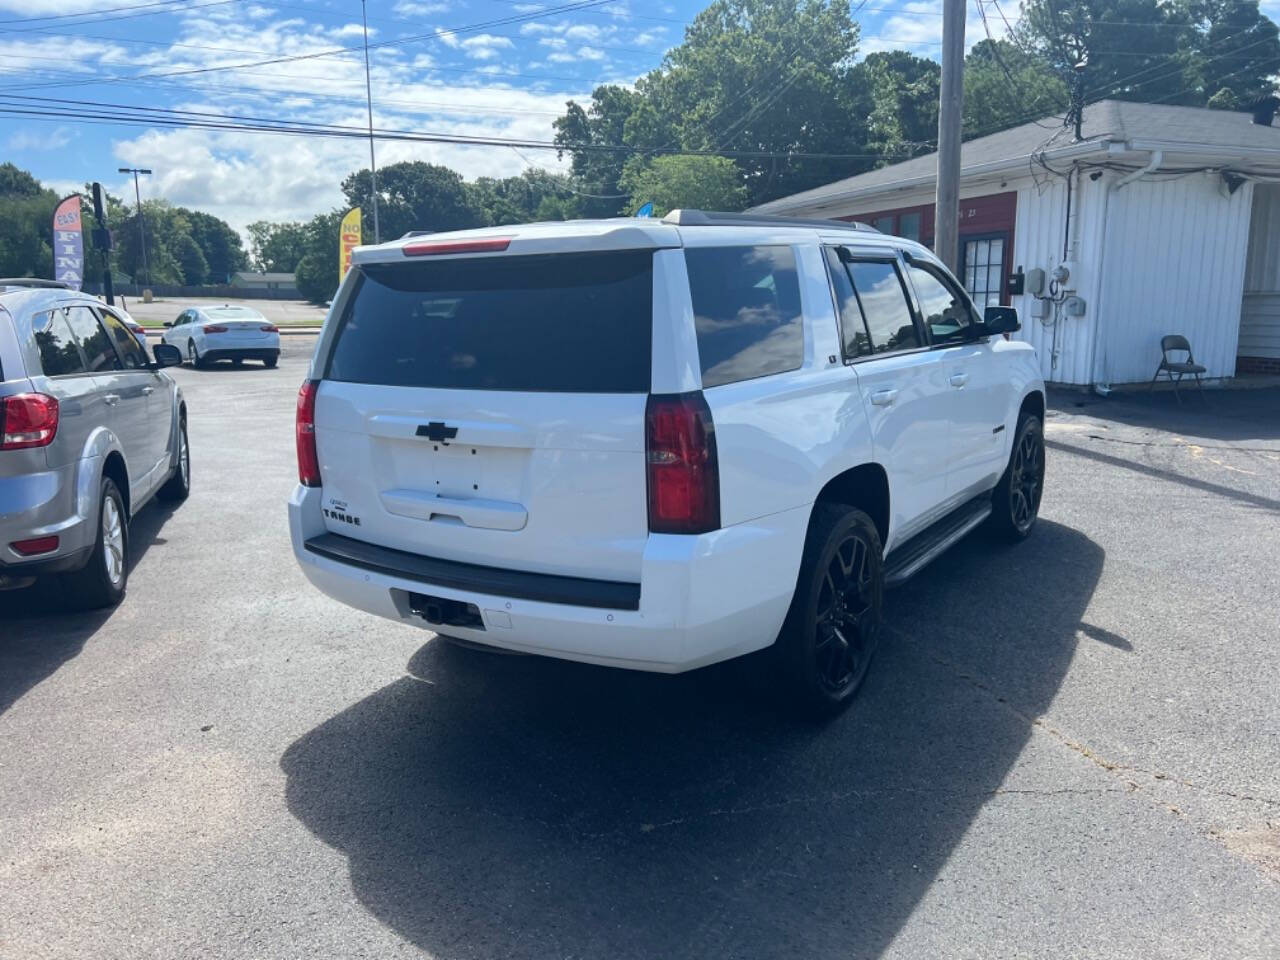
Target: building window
{"points": [[909, 226], [983, 268]]}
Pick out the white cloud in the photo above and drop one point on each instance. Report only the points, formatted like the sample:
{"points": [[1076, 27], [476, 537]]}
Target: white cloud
{"points": [[244, 177], [349, 30], [918, 29], [38, 8], [485, 46], [418, 8], [577, 56], [39, 140]]}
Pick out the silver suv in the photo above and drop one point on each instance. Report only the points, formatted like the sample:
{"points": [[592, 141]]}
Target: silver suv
{"points": [[90, 430]]}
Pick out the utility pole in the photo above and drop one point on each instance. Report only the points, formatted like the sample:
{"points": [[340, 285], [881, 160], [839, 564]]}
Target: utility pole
{"points": [[142, 230], [946, 228], [368, 92]]}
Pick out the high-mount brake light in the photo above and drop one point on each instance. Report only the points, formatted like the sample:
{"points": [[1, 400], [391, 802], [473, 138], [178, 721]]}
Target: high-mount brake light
{"points": [[28, 420], [430, 248], [305, 430], [683, 468]]}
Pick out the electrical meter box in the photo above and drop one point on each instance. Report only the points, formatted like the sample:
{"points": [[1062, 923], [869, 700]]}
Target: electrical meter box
{"points": [[1035, 282]]}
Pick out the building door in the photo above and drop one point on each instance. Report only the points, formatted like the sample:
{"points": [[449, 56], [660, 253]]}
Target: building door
{"points": [[982, 264]]}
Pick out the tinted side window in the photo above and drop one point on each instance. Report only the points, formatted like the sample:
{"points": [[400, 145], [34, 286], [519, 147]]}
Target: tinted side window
{"points": [[853, 327], [571, 323], [884, 304], [59, 352], [746, 305], [946, 312], [131, 352], [93, 339]]}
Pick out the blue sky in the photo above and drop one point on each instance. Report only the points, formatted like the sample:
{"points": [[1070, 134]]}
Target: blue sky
{"points": [[506, 80]]}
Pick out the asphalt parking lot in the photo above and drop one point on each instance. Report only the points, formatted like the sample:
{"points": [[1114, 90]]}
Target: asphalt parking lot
{"points": [[1066, 749]]}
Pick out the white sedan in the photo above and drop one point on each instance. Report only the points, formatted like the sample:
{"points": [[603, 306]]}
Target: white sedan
{"points": [[235, 333]]}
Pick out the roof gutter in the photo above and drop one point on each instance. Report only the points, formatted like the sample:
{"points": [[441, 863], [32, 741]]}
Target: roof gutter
{"points": [[800, 202], [1156, 158]]}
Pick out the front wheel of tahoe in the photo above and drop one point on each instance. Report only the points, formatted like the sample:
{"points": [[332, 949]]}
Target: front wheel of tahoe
{"points": [[1015, 502], [833, 626]]}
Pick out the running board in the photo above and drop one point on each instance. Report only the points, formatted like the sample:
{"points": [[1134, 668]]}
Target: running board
{"points": [[913, 555]]}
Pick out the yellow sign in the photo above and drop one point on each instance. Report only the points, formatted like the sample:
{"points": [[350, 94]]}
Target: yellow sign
{"points": [[348, 240]]}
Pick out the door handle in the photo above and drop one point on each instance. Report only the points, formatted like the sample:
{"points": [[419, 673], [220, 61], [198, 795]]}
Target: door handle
{"points": [[882, 398], [958, 379], [111, 399], [148, 391]]}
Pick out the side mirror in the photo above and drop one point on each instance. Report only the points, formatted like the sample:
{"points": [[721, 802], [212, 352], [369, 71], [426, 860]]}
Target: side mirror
{"points": [[999, 320], [167, 355], [168, 323]]}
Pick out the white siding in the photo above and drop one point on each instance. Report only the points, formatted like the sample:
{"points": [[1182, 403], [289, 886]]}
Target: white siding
{"points": [[1175, 258], [1260, 318], [1038, 242]]}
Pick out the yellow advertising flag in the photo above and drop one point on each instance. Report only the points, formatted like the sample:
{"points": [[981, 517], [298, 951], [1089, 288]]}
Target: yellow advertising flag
{"points": [[348, 240]]}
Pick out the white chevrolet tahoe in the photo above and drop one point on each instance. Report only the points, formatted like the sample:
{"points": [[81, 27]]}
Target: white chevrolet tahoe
{"points": [[658, 444]]}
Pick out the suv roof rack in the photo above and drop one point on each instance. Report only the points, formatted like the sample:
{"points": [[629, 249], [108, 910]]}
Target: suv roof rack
{"points": [[712, 218], [37, 282]]}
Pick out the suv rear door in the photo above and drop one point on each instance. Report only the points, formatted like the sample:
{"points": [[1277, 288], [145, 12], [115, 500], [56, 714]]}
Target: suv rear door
{"points": [[490, 409], [901, 380]]}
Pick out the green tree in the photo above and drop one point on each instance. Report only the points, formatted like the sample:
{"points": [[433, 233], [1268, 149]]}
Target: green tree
{"points": [[190, 258], [276, 247], [1004, 86], [26, 224], [221, 246], [413, 196], [317, 270], [1237, 52], [762, 76], [603, 125], [708, 183], [899, 94]]}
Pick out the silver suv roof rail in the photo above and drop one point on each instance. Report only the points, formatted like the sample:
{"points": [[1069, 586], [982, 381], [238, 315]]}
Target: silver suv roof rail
{"points": [[34, 282], [712, 218]]}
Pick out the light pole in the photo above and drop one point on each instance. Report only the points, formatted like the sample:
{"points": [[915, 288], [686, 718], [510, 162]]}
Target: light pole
{"points": [[142, 230], [368, 92]]}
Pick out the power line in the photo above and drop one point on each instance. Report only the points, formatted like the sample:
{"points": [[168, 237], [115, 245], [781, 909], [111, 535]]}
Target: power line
{"points": [[131, 115]]}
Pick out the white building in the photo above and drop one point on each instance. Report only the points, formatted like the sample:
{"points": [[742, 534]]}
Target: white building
{"points": [[1167, 219]]}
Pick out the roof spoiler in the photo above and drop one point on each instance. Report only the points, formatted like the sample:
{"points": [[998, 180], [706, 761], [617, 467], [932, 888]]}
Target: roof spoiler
{"points": [[712, 218]]}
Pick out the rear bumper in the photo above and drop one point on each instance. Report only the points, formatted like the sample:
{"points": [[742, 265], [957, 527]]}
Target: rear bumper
{"points": [[48, 503], [699, 600], [241, 353]]}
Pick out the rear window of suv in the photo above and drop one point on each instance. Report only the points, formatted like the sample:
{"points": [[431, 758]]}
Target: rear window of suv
{"points": [[568, 323]]}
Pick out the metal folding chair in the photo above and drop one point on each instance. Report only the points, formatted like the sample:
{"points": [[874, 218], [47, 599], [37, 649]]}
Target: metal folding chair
{"points": [[1174, 343]]}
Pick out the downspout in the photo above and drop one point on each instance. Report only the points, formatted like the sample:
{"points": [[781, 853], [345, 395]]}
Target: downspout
{"points": [[1153, 164]]}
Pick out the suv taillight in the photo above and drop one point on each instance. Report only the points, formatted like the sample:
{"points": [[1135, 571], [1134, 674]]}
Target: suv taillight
{"points": [[305, 429], [28, 420], [684, 474]]}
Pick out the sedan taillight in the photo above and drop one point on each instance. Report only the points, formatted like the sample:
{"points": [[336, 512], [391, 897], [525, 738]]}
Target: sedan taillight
{"points": [[269, 328], [28, 420], [305, 431], [214, 328]]}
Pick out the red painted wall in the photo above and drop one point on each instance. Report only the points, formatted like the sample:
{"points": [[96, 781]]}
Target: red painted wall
{"points": [[979, 216]]}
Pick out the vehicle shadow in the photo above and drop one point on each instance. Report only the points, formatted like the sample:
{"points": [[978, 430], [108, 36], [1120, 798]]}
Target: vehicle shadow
{"points": [[522, 807], [40, 629], [1230, 415]]}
